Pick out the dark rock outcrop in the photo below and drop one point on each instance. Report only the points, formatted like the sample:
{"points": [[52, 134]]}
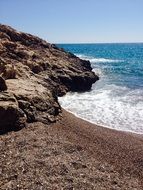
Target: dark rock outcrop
{"points": [[36, 72], [3, 86]]}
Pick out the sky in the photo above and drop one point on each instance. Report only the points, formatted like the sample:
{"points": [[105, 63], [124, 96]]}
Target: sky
{"points": [[76, 21]]}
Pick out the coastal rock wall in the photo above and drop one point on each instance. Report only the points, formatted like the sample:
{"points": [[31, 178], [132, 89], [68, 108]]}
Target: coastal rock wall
{"points": [[33, 73]]}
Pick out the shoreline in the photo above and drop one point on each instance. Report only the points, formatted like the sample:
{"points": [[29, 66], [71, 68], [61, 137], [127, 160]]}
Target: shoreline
{"points": [[114, 94], [106, 127]]}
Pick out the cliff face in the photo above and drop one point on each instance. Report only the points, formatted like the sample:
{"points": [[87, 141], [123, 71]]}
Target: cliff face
{"points": [[32, 74]]}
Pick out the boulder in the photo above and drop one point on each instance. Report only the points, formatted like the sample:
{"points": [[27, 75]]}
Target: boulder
{"points": [[11, 116]]}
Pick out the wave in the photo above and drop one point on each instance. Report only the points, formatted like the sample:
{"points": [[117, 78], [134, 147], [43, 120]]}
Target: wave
{"points": [[112, 106], [103, 60], [97, 60]]}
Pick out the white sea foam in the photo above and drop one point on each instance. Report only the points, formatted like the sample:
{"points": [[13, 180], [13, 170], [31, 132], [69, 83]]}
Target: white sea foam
{"points": [[98, 60], [98, 71], [103, 60], [113, 106]]}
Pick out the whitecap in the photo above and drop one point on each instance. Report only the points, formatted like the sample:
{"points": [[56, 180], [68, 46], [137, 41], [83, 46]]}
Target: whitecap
{"points": [[97, 60]]}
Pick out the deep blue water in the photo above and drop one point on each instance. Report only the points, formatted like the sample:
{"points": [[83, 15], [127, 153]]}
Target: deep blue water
{"points": [[116, 100]]}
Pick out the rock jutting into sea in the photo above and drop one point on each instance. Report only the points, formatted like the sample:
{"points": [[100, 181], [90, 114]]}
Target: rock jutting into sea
{"points": [[33, 73]]}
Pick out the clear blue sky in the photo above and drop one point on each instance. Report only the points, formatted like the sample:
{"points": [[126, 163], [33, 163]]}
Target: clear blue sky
{"points": [[71, 21]]}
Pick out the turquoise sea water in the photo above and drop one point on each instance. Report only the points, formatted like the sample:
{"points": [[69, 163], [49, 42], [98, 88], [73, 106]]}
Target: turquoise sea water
{"points": [[116, 100]]}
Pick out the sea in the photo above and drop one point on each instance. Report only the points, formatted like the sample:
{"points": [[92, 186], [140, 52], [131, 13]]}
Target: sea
{"points": [[116, 100]]}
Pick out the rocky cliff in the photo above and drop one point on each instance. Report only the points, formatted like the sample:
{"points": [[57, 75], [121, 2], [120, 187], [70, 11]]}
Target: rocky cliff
{"points": [[33, 73]]}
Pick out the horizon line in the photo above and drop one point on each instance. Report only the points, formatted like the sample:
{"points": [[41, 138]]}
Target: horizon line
{"points": [[96, 42]]}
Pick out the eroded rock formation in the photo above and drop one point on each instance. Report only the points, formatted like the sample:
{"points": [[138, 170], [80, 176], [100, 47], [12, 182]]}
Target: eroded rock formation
{"points": [[32, 74]]}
